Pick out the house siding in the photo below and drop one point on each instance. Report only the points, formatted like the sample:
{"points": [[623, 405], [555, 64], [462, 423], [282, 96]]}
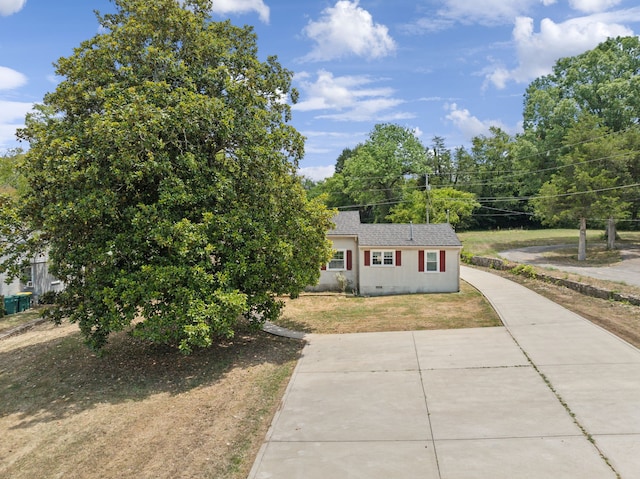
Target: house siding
{"points": [[328, 279], [407, 244], [407, 279], [42, 281]]}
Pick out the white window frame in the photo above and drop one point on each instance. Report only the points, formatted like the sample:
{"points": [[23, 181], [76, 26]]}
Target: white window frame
{"points": [[382, 255], [344, 260], [427, 262]]}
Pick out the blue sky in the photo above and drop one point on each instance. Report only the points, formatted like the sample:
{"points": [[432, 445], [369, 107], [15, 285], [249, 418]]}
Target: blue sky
{"points": [[450, 68]]}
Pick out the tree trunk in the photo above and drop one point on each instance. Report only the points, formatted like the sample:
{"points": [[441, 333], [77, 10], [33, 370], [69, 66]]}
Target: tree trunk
{"points": [[582, 243], [611, 234]]}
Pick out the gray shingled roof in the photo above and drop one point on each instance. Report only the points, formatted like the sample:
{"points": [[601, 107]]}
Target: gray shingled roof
{"points": [[391, 235], [347, 223], [407, 235]]}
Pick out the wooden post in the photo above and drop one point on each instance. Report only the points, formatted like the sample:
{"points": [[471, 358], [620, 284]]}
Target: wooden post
{"points": [[611, 234], [582, 242]]}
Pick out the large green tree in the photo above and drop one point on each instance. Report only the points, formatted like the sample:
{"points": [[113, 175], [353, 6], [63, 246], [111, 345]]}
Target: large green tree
{"points": [[445, 205], [162, 179], [603, 82], [377, 170], [591, 182]]}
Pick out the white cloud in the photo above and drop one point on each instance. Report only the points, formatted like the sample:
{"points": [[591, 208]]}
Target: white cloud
{"points": [[345, 30], [353, 98], [224, 7], [12, 114], [10, 79], [8, 7], [538, 52], [487, 12], [469, 12], [593, 6], [468, 124], [317, 173]]}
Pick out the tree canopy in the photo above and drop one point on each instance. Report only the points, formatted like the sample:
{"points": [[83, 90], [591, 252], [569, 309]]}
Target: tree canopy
{"points": [[162, 179]]}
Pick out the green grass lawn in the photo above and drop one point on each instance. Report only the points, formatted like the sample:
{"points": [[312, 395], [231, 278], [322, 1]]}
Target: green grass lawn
{"points": [[489, 243]]}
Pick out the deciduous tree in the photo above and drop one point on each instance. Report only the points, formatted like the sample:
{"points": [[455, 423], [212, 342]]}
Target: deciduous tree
{"points": [[376, 172], [446, 205], [590, 184], [162, 178]]}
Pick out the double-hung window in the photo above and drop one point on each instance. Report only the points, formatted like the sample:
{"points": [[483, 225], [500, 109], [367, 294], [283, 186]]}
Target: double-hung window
{"points": [[339, 260], [431, 261], [382, 258]]}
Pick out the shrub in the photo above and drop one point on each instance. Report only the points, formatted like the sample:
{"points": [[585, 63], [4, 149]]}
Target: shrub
{"points": [[48, 298], [524, 270], [466, 257]]}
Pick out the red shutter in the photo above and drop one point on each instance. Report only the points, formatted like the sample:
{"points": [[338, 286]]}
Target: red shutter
{"points": [[324, 267], [349, 260], [367, 258], [398, 258], [443, 261], [421, 261]]}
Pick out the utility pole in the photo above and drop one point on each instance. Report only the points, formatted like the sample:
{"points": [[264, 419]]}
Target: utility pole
{"points": [[427, 188]]}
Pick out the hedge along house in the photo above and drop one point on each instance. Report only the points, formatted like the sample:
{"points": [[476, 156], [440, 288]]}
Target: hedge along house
{"points": [[379, 259]]}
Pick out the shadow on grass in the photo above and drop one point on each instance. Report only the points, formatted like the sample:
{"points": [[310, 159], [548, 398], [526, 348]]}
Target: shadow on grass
{"points": [[61, 377]]}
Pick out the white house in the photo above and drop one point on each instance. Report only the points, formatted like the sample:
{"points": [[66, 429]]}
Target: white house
{"points": [[36, 279], [379, 259]]}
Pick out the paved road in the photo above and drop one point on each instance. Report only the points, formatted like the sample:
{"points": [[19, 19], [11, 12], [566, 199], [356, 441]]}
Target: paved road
{"points": [[550, 395], [627, 271]]}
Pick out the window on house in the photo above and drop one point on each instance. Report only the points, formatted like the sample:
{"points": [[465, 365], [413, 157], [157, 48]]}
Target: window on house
{"points": [[382, 258], [431, 261], [338, 262], [27, 276]]}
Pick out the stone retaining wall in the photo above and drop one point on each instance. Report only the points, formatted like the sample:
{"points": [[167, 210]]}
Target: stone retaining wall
{"points": [[586, 289]]}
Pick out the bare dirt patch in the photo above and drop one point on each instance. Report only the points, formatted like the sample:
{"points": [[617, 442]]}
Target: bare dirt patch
{"points": [[138, 412]]}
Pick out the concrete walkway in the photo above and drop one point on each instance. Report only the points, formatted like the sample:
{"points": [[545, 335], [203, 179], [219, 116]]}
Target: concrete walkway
{"points": [[550, 395]]}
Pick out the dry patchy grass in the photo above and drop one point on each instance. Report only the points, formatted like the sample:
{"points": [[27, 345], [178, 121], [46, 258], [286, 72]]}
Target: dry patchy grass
{"points": [[138, 412], [14, 320], [490, 243], [338, 313], [599, 255]]}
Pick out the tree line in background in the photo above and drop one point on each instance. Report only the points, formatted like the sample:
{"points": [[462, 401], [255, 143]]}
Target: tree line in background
{"points": [[577, 159]]}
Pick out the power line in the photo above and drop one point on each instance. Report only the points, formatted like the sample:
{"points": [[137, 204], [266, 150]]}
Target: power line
{"points": [[497, 199]]}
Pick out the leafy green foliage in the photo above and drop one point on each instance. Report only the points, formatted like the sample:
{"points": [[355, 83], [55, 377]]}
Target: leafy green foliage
{"points": [[587, 185], [445, 205], [11, 181], [376, 171], [524, 270], [162, 178], [604, 82]]}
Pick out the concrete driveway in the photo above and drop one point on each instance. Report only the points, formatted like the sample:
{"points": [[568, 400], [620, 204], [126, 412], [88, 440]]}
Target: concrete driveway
{"points": [[626, 271], [550, 395]]}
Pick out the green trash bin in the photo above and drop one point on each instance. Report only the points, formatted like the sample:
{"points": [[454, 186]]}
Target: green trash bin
{"points": [[11, 304], [24, 301]]}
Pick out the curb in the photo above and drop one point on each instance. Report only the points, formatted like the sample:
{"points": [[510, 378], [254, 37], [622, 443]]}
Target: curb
{"points": [[271, 328], [22, 328]]}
